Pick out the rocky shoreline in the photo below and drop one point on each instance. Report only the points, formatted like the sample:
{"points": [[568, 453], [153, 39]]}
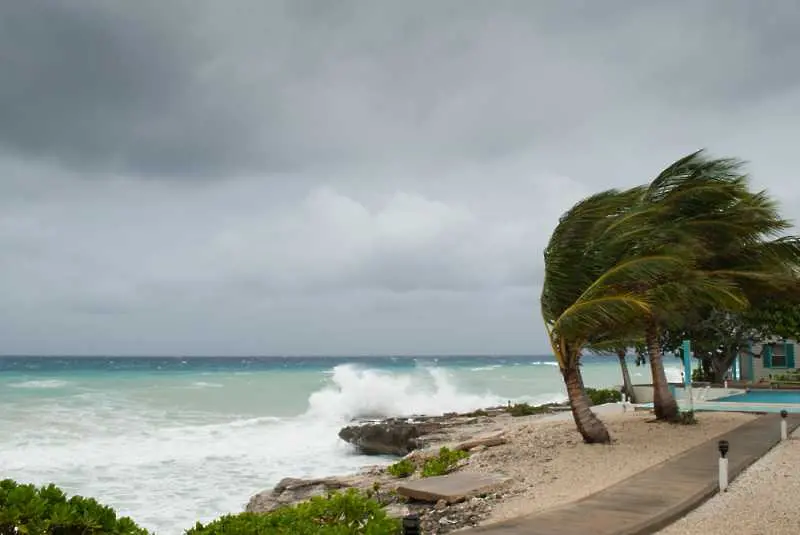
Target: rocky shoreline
{"points": [[538, 463], [416, 438]]}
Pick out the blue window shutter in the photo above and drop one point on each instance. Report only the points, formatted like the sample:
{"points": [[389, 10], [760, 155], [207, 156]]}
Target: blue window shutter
{"points": [[767, 356], [790, 355]]}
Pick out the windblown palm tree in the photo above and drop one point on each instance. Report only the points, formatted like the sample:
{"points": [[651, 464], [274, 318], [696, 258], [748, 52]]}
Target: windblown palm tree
{"points": [[735, 238], [627, 262], [589, 291]]}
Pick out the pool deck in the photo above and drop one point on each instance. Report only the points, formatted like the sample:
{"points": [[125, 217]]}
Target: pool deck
{"points": [[654, 498]]}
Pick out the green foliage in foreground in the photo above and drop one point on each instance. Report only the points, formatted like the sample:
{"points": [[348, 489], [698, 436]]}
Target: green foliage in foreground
{"points": [[443, 463], [30, 510], [348, 513], [599, 396], [403, 468]]}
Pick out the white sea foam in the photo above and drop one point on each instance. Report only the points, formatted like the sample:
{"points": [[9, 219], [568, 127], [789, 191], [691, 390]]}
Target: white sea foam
{"points": [[204, 384], [167, 457], [44, 383], [367, 393], [544, 363], [485, 368]]}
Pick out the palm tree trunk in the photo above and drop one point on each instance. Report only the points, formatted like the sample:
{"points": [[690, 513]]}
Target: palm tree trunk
{"points": [[626, 376], [666, 408], [589, 425]]}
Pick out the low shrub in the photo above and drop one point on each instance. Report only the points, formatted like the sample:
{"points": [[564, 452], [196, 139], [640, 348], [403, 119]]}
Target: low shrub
{"points": [[599, 396], [46, 510], [699, 375], [790, 376], [402, 468], [443, 463], [524, 409], [347, 513], [687, 418], [476, 413]]}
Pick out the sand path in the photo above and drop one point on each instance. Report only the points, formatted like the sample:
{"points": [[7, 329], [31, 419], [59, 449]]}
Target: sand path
{"points": [[551, 466]]}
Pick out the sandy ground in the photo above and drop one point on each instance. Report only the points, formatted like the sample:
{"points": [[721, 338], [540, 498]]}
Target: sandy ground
{"points": [[761, 501], [551, 466]]}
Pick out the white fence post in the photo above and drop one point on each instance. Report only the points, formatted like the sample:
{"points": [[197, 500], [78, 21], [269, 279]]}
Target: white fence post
{"points": [[723, 465], [784, 430]]}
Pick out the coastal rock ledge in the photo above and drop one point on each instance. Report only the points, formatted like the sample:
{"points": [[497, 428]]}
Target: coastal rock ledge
{"points": [[290, 491], [389, 437], [401, 436]]}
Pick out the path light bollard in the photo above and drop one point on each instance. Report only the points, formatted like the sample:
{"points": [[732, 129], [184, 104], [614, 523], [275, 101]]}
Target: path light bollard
{"points": [[723, 465], [784, 430], [411, 524]]}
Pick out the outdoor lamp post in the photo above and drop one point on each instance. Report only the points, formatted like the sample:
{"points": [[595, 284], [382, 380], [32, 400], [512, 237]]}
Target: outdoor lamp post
{"points": [[723, 465], [411, 524], [784, 430]]}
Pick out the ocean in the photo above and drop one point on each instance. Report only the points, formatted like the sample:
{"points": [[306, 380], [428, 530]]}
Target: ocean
{"points": [[170, 441]]}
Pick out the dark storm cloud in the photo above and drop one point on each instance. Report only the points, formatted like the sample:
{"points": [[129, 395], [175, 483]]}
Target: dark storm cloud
{"points": [[357, 176], [209, 88]]}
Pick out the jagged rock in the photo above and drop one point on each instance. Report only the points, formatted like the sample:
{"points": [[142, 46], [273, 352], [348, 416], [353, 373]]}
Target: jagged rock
{"points": [[439, 520], [292, 490], [390, 437], [396, 510]]}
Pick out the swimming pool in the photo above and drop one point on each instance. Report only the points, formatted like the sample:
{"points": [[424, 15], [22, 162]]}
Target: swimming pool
{"points": [[758, 401], [783, 397]]}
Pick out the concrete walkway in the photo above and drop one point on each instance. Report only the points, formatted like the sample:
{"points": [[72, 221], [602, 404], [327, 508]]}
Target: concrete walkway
{"points": [[656, 497]]}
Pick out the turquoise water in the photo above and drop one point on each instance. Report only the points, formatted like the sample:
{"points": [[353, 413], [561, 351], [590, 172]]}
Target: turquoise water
{"points": [[764, 396], [173, 440]]}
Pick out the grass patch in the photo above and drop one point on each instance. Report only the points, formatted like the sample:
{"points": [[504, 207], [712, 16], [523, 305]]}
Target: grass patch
{"points": [[443, 463], [600, 396], [473, 414], [687, 418], [524, 409], [403, 468]]}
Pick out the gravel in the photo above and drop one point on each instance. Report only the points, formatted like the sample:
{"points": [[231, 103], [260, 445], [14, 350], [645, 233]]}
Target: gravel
{"points": [[763, 500]]}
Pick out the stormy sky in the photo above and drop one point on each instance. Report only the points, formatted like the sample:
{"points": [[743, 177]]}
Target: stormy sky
{"points": [[351, 177]]}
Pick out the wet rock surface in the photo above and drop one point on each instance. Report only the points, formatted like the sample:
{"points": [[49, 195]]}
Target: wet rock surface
{"points": [[400, 436], [416, 439]]}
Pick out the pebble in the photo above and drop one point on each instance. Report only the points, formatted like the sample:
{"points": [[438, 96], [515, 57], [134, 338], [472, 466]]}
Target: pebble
{"points": [[761, 501]]}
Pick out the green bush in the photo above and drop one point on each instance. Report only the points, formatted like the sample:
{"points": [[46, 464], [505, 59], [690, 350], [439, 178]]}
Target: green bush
{"points": [[348, 513], [402, 468], [790, 376], [524, 409], [26, 509], [699, 375], [443, 463], [687, 418], [599, 396]]}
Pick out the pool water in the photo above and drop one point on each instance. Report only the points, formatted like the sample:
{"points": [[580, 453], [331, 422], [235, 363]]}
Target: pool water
{"points": [[764, 396]]}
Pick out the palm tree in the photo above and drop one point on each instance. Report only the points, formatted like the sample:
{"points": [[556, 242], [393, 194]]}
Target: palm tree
{"points": [[634, 261], [587, 290], [736, 242], [627, 385]]}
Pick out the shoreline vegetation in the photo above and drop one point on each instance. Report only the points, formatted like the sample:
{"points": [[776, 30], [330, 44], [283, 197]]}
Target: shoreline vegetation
{"points": [[534, 447]]}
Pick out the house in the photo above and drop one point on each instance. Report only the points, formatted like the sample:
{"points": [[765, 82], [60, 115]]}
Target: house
{"points": [[768, 359]]}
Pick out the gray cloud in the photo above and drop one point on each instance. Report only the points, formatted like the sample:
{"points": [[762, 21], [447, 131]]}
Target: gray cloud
{"points": [[305, 177]]}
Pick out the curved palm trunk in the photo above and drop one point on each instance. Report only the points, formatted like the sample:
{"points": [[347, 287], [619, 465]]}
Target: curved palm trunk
{"points": [[589, 425], [666, 408], [626, 376]]}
